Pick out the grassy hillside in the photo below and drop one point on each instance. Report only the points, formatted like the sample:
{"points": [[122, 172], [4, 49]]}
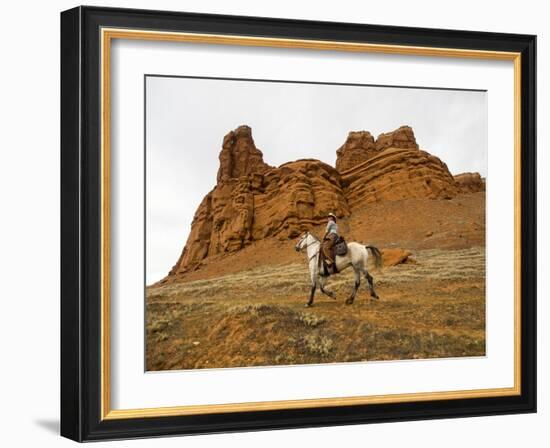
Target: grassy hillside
{"points": [[433, 307]]}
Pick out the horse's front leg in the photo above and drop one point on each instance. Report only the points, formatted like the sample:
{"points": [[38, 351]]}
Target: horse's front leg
{"points": [[311, 295], [313, 274], [327, 292], [355, 288]]}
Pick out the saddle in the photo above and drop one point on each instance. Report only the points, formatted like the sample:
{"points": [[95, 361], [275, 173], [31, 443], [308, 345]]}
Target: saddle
{"points": [[340, 248]]}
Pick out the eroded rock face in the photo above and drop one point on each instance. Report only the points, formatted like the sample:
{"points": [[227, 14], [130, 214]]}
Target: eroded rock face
{"points": [[403, 137], [361, 146], [358, 148], [253, 200], [393, 168], [239, 155], [393, 257], [297, 196], [397, 174], [470, 182]]}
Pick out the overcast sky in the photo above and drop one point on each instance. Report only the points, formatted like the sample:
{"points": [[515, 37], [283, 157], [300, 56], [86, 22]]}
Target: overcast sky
{"points": [[186, 120]]}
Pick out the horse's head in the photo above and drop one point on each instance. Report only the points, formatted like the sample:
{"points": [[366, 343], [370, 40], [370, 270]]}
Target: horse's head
{"points": [[302, 243]]}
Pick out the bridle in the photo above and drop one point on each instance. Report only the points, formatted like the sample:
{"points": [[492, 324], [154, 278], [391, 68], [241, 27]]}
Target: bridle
{"points": [[309, 244]]}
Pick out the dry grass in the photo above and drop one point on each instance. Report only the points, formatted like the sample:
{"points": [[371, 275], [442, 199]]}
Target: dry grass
{"points": [[432, 308]]}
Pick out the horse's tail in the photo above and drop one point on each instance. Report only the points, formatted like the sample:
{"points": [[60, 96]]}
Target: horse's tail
{"points": [[377, 256]]}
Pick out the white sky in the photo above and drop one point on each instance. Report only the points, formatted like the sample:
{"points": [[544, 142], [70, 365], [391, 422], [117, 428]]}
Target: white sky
{"points": [[186, 120]]}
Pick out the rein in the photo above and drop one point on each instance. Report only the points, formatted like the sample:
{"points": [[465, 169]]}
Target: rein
{"points": [[309, 244], [313, 256]]}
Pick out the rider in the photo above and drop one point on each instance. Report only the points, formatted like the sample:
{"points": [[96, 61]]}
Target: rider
{"points": [[331, 235]]}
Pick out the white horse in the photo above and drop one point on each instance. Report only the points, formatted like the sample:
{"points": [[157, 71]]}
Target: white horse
{"points": [[356, 257]]}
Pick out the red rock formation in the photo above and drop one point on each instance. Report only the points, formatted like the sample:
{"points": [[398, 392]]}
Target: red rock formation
{"points": [[403, 137], [297, 196], [361, 146], [358, 147], [393, 257], [470, 182], [253, 200], [398, 170], [398, 174], [239, 155]]}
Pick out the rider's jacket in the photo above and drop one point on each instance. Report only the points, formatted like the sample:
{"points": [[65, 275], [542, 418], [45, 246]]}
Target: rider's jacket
{"points": [[332, 227]]}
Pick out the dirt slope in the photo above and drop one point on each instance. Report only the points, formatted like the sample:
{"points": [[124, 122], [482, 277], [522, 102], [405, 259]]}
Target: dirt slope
{"points": [[432, 308], [411, 224]]}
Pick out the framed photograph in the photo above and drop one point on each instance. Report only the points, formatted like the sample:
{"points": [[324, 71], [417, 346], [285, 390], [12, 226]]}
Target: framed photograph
{"points": [[273, 223]]}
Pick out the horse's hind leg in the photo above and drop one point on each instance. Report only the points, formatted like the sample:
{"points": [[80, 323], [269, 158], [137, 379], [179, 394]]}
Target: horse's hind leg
{"points": [[355, 288], [371, 285], [326, 291]]}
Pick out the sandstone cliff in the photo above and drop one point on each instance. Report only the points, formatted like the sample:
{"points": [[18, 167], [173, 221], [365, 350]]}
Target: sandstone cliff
{"points": [[470, 182], [398, 174], [392, 168], [253, 200], [239, 155], [402, 137], [361, 146], [358, 147]]}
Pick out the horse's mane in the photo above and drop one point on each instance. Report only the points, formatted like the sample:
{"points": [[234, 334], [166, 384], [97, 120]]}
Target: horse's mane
{"points": [[313, 235]]}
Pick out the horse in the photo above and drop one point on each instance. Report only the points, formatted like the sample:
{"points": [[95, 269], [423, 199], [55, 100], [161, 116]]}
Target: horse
{"points": [[356, 257]]}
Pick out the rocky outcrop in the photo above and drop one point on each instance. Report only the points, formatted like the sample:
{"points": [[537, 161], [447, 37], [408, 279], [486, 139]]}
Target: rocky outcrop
{"points": [[394, 256], [361, 146], [253, 200], [297, 196], [239, 155], [470, 182], [358, 148], [403, 137], [398, 170]]}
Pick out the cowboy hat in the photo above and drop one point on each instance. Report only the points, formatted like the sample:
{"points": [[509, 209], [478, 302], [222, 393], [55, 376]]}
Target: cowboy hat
{"points": [[332, 215]]}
